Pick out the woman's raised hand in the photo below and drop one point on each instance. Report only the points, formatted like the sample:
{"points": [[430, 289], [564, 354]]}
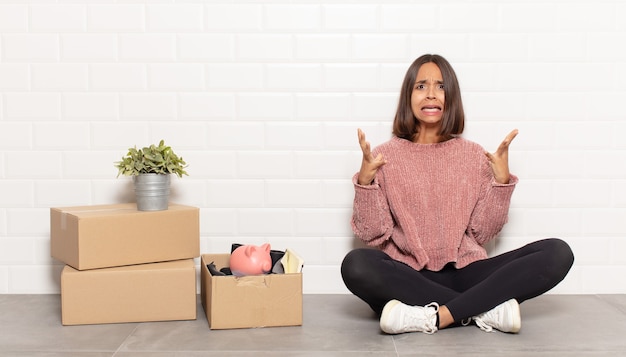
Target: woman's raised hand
{"points": [[369, 164], [500, 159]]}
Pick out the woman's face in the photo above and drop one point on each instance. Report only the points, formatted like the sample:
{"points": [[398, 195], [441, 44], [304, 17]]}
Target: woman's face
{"points": [[428, 95]]}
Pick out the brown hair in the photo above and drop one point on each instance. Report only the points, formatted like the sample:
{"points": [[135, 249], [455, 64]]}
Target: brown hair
{"points": [[405, 125]]}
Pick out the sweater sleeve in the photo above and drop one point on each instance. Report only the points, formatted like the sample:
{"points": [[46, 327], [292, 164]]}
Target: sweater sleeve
{"points": [[492, 208], [371, 217]]}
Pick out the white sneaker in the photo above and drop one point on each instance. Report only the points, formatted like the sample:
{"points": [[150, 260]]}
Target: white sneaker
{"points": [[504, 317], [399, 318]]}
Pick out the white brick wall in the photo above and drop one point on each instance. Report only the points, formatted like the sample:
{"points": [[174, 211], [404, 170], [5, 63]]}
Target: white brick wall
{"points": [[263, 100]]}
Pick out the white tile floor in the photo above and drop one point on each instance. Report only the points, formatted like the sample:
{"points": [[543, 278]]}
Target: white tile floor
{"points": [[334, 325]]}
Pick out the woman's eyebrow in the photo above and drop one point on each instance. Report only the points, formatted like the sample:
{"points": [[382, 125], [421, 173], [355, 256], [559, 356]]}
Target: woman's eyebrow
{"points": [[423, 81]]}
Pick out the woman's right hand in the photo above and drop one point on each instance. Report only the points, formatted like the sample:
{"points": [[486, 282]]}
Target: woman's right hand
{"points": [[369, 164]]}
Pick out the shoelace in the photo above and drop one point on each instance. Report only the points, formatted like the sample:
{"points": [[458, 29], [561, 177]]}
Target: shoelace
{"points": [[429, 315], [488, 316], [483, 325]]}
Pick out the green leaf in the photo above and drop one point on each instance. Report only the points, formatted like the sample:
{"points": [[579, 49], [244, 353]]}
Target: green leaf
{"points": [[151, 159]]}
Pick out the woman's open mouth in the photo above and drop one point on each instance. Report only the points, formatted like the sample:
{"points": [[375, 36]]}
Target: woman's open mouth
{"points": [[431, 109]]}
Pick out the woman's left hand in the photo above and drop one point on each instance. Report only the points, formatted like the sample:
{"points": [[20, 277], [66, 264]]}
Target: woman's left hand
{"points": [[500, 159]]}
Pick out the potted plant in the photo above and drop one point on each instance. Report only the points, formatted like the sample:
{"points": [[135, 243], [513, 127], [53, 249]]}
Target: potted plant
{"points": [[150, 168]]}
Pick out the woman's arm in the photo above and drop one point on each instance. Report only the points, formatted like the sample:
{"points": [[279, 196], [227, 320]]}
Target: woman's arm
{"points": [[492, 209], [371, 217]]}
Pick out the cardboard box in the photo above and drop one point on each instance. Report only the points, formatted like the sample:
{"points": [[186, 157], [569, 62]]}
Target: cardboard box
{"points": [[136, 293], [250, 301], [90, 237]]}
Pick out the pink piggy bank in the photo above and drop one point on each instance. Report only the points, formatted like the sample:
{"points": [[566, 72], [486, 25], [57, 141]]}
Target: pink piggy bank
{"points": [[251, 260]]}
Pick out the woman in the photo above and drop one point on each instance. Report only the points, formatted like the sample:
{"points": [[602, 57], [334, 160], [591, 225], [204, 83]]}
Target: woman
{"points": [[429, 200]]}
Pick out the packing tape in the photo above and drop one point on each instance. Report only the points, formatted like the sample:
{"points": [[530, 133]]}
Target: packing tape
{"points": [[78, 211], [254, 281]]}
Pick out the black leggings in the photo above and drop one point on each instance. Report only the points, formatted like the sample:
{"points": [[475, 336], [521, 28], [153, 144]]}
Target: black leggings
{"points": [[522, 274]]}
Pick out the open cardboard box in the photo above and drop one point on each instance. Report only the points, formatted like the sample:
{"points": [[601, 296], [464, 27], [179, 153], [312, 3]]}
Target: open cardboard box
{"points": [[137, 293], [250, 301], [102, 236]]}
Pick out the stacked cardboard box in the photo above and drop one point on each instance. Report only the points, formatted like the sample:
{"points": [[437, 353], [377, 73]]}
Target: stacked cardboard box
{"points": [[125, 265]]}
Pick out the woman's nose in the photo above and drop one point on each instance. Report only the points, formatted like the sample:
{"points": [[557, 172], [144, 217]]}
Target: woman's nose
{"points": [[431, 93]]}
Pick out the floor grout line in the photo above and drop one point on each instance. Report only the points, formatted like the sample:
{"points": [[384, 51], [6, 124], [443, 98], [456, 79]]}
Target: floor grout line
{"points": [[124, 341], [395, 347]]}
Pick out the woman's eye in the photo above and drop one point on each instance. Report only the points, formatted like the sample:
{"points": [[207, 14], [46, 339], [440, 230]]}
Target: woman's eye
{"points": [[441, 86]]}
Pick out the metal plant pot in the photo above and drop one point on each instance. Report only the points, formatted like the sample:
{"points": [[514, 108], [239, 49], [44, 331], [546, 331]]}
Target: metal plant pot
{"points": [[152, 191]]}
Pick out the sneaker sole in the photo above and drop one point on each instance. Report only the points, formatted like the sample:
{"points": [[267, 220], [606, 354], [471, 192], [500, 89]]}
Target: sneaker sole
{"points": [[515, 316], [384, 316]]}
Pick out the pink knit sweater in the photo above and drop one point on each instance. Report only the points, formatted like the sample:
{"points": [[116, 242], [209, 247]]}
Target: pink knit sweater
{"points": [[431, 204]]}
